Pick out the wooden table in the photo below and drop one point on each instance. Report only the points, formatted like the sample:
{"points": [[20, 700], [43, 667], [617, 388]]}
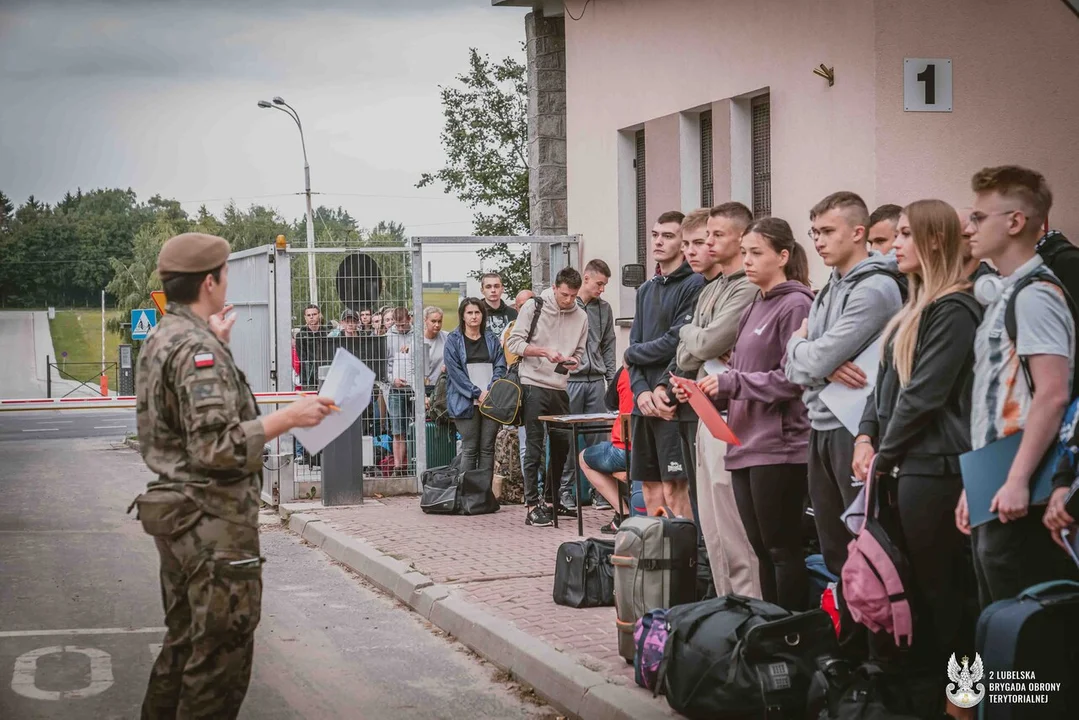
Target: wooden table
{"points": [[576, 425]]}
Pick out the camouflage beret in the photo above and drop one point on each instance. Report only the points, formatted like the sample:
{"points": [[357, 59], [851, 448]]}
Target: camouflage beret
{"points": [[192, 253]]}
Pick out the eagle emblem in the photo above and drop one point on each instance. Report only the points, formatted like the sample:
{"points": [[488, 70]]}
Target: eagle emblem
{"points": [[960, 690]]}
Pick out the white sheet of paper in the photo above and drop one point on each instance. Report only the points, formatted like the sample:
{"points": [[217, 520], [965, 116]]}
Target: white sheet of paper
{"points": [[481, 374], [846, 403], [715, 367], [349, 383]]}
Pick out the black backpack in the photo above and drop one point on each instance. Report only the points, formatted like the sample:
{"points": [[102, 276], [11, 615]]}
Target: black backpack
{"points": [[503, 401], [1062, 258]]}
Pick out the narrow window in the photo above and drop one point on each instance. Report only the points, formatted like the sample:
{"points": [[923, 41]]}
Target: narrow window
{"points": [[762, 156], [707, 196]]}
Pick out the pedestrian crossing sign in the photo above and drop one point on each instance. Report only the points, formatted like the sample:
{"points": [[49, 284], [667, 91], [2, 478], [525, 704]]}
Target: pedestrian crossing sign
{"points": [[142, 321]]}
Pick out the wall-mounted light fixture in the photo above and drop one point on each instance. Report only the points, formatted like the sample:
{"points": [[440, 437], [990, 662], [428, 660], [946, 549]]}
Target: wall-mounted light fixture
{"points": [[828, 73]]}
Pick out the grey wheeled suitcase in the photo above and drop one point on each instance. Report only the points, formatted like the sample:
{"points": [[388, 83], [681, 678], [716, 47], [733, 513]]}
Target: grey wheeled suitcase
{"points": [[655, 566]]}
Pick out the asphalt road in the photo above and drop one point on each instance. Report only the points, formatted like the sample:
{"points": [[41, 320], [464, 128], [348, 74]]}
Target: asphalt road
{"points": [[66, 424], [19, 376], [80, 612]]}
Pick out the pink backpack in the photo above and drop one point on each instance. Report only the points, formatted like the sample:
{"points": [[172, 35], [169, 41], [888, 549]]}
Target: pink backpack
{"points": [[876, 575]]}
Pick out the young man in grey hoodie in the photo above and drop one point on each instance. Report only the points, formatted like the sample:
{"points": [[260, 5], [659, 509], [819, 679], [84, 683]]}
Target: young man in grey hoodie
{"points": [[588, 381], [557, 347], [847, 316]]}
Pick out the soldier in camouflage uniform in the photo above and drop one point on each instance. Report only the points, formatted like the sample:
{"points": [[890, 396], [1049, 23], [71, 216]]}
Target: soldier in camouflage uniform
{"points": [[200, 433]]}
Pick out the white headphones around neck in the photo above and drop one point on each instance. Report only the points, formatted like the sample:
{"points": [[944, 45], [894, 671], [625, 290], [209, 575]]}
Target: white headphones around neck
{"points": [[987, 289]]}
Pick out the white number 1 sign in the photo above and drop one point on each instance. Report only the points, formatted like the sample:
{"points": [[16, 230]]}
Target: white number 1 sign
{"points": [[927, 85]]}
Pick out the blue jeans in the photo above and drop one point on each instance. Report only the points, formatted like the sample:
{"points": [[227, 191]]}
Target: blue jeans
{"points": [[399, 405]]}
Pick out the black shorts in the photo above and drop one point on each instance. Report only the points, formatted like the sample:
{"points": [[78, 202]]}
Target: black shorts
{"points": [[656, 451]]}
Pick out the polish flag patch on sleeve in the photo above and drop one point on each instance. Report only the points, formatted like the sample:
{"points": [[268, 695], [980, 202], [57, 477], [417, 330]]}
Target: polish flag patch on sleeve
{"points": [[204, 360]]}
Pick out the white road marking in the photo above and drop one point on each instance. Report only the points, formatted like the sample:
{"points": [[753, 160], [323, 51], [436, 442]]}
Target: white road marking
{"points": [[55, 422], [109, 427], [40, 429], [24, 678], [81, 631]]}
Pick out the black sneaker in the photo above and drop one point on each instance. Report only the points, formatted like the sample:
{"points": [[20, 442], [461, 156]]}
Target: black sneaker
{"points": [[538, 517], [600, 503], [611, 528], [568, 501]]}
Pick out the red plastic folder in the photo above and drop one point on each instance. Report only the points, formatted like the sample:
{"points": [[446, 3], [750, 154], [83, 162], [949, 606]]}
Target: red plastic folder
{"points": [[706, 411]]}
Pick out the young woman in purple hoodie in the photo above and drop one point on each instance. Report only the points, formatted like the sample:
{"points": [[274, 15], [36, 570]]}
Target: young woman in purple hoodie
{"points": [[765, 411]]}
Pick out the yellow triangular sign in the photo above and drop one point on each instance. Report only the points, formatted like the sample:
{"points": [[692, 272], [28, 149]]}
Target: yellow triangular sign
{"points": [[158, 296]]}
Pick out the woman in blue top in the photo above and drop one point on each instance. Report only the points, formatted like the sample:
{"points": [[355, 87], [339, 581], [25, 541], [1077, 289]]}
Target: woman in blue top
{"points": [[474, 360]]}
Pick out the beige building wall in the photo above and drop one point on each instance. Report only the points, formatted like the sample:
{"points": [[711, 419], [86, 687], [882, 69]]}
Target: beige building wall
{"points": [[651, 64]]}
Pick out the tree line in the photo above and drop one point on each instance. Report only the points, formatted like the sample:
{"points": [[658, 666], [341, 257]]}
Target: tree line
{"points": [[106, 239]]}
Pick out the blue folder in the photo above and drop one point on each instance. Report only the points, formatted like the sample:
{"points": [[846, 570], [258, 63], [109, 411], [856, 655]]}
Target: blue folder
{"points": [[985, 470]]}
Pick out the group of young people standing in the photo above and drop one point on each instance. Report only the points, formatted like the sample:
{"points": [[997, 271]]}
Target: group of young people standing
{"points": [[732, 308]]}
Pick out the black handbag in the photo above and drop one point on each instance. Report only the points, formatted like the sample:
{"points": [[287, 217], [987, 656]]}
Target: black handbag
{"points": [[583, 574], [738, 658], [503, 401], [441, 486], [476, 495]]}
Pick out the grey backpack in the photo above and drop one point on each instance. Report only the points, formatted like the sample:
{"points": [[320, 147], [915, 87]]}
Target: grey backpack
{"points": [[655, 566]]}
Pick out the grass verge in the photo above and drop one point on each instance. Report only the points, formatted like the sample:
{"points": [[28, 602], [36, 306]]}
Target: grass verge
{"points": [[78, 333]]}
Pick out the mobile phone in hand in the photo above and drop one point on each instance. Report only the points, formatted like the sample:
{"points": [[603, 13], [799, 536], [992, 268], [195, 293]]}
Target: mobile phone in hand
{"points": [[561, 369]]}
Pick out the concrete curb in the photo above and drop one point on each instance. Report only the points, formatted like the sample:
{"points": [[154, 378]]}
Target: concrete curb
{"points": [[558, 678]]}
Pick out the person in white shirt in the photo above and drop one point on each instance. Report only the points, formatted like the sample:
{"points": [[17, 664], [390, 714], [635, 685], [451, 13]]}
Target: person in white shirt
{"points": [[401, 371], [434, 344]]}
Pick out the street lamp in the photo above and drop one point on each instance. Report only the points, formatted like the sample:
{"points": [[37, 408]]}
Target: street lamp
{"points": [[291, 112]]}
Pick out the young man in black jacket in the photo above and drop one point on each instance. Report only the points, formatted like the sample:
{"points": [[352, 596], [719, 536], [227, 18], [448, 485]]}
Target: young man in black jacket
{"points": [[664, 304]]}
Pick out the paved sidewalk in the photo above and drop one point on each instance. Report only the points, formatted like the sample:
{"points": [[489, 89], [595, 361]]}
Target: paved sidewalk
{"points": [[501, 567]]}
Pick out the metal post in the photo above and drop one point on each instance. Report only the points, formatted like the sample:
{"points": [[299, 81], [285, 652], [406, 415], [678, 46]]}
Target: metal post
{"points": [[48, 376], [103, 332], [418, 375], [312, 282]]}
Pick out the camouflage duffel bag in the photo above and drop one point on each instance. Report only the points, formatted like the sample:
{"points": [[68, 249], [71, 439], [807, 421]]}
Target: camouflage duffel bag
{"points": [[508, 480]]}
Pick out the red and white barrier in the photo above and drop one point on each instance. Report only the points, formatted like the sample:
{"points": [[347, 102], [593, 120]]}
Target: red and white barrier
{"points": [[120, 402]]}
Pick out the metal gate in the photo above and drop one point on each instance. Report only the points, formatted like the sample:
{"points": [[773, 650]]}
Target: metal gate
{"points": [[363, 301], [288, 329]]}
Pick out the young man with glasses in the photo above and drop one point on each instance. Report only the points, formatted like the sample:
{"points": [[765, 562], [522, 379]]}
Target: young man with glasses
{"points": [[1016, 550], [847, 316]]}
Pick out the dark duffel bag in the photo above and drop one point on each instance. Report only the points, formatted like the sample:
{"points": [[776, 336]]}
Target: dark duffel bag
{"points": [[1036, 634], [583, 574], [476, 495], [839, 693], [440, 489], [738, 658]]}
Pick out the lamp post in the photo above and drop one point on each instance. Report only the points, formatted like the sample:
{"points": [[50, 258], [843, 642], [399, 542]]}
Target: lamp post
{"points": [[312, 284]]}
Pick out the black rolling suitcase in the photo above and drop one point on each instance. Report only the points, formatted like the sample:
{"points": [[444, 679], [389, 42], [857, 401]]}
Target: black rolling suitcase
{"points": [[1025, 643]]}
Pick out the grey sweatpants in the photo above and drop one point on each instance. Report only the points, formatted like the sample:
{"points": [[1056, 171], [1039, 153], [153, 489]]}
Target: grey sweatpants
{"points": [[585, 396]]}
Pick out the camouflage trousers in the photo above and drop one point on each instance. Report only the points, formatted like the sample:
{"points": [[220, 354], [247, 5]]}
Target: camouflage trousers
{"points": [[211, 610]]}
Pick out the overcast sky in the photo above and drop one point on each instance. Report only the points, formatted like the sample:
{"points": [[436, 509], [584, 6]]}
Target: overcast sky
{"points": [[160, 96]]}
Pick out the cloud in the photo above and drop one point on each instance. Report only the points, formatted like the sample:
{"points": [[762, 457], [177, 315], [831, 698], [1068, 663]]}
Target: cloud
{"points": [[198, 40]]}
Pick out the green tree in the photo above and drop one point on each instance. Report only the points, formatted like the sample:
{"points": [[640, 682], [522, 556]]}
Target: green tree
{"points": [[485, 136], [135, 278], [258, 225]]}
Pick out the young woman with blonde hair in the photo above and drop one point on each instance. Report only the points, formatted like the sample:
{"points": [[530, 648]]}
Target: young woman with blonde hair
{"points": [[917, 423]]}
